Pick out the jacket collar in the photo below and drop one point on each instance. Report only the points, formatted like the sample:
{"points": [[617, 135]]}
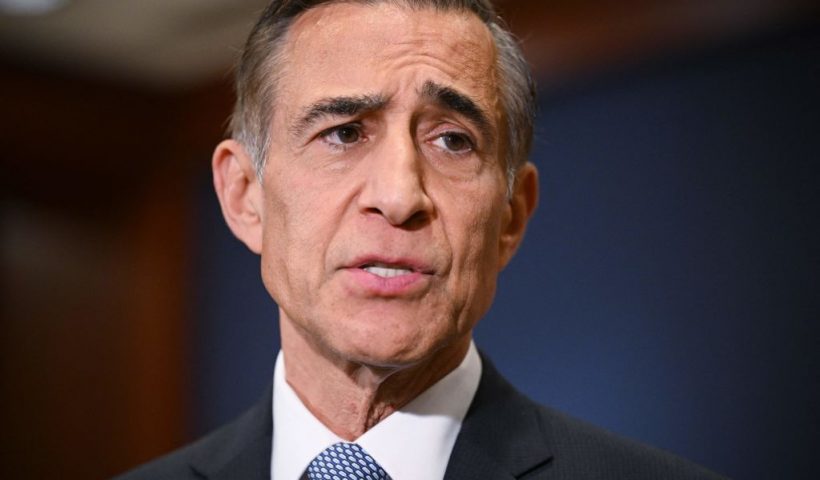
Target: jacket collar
{"points": [[242, 448], [501, 436]]}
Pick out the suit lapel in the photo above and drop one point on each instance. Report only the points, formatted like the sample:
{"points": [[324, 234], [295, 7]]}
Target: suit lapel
{"points": [[242, 449], [501, 436], [253, 463]]}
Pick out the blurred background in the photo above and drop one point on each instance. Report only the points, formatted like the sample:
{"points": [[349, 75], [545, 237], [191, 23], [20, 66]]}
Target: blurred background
{"points": [[667, 289]]}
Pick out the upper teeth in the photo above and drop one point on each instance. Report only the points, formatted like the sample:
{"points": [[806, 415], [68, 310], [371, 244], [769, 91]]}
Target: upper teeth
{"points": [[386, 272]]}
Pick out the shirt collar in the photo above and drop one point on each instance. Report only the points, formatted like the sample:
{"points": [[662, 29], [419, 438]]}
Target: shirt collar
{"points": [[413, 442]]}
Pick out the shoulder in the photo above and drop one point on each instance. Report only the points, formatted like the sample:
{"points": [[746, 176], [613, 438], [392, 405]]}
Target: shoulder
{"points": [[173, 466], [180, 464], [242, 447], [525, 438], [582, 450]]}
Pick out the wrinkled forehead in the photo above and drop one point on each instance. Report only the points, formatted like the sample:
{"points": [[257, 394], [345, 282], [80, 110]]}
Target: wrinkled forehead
{"points": [[345, 48], [385, 24]]}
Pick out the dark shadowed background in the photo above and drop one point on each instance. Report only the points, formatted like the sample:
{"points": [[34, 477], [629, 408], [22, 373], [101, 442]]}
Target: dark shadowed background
{"points": [[667, 288]]}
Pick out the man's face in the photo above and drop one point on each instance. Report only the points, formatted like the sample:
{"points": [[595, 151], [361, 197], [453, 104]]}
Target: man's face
{"points": [[385, 210]]}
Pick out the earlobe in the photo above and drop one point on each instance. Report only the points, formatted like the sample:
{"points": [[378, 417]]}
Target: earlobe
{"points": [[239, 192], [521, 206]]}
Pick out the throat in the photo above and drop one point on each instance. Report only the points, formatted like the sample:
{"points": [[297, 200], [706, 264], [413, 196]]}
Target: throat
{"points": [[350, 409]]}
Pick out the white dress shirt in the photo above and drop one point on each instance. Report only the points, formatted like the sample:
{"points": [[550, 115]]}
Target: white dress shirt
{"points": [[412, 443]]}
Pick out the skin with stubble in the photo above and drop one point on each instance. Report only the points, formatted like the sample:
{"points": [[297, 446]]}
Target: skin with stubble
{"points": [[382, 217]]}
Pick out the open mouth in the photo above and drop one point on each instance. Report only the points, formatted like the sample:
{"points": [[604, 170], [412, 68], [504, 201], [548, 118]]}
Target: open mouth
{"points": [[386, 271]]}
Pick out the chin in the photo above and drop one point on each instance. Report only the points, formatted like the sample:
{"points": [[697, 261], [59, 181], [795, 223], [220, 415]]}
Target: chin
{"points": [[387, 346], [386, 355]]}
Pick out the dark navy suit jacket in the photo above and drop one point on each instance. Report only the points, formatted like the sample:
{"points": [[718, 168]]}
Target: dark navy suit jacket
{"points": [[504, 436]]}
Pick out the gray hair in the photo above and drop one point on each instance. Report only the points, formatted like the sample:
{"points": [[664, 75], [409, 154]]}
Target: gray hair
{"points": [[262, 58]]}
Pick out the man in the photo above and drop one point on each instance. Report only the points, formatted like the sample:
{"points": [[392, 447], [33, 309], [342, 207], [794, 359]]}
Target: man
{"points": [[378, 167]]}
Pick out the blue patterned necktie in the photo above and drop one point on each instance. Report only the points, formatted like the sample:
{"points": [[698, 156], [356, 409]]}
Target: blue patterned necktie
{"points": [[345, 461]]}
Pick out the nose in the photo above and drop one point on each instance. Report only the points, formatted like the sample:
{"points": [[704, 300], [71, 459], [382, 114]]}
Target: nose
{"points": [[394, 186]]}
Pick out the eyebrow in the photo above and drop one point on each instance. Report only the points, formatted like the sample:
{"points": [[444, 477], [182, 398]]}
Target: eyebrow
{"points": [[336, 107], [460, 103], [346, 106]]}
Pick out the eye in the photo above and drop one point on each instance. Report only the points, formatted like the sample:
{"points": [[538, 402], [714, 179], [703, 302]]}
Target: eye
{"points": [[454, 142], [342, 135]]}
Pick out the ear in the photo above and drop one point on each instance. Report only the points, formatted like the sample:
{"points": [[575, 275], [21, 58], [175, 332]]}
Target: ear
{"points": [[239, 192], [521, 206]]}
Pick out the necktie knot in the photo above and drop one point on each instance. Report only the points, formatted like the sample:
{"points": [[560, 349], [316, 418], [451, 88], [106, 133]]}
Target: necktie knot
{"points": [[345, 461]]}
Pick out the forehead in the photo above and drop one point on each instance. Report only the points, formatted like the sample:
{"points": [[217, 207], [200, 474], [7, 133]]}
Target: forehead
{"points": [[349, 48]]}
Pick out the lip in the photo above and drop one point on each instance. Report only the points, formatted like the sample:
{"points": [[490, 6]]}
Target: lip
{"points": [[369, 284]]}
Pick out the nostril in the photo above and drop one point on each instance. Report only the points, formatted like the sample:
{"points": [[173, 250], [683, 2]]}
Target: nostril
{"points": [[374, 211], [416, 221]]}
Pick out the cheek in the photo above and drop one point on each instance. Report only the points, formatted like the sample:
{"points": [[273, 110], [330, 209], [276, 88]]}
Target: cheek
{"points": [[302, 216], [484, 238], [285, 253], [473, 278], [474, 236]]}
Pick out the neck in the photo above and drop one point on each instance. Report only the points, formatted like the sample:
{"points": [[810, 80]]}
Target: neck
{"points": [[349, 397]]}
